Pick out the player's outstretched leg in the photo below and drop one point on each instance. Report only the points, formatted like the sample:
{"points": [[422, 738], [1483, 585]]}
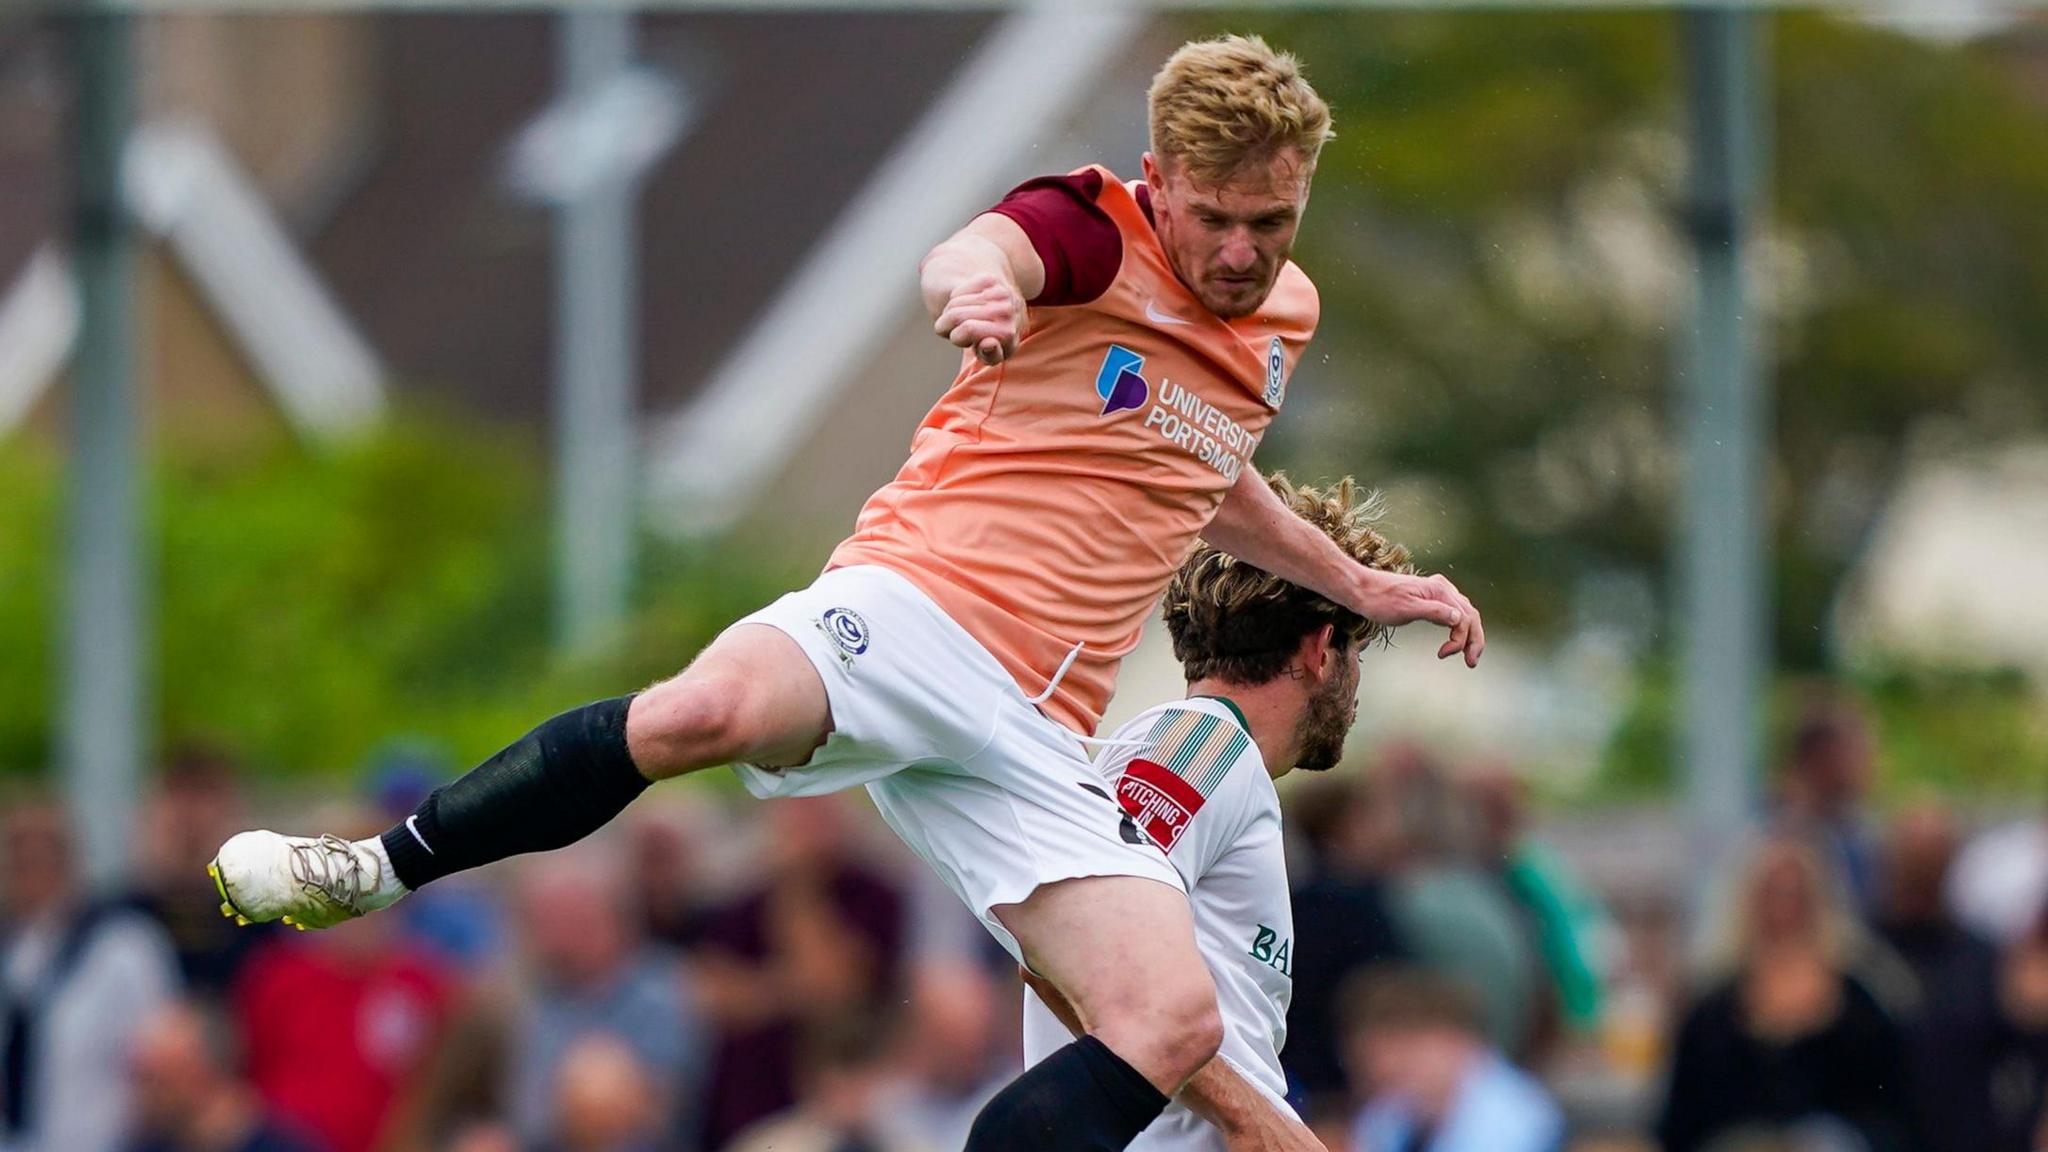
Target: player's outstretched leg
{"points": [[1122, 950], [752, 696]]}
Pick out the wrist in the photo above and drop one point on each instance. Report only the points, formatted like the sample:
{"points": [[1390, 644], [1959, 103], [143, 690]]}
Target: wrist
{"points": [[1364, 587], [936, 281]]}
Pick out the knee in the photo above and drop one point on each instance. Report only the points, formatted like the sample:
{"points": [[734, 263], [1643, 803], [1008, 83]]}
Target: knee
{"points": [[1168, 1033], [1196, 1034], [687, 723]]}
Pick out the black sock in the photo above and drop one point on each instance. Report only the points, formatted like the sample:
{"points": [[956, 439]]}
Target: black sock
{"points": [[559, 783], [1082, 1098]]}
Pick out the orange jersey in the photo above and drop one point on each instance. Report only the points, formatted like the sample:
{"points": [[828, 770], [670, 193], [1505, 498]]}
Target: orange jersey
{"points": [[1047, 499]]}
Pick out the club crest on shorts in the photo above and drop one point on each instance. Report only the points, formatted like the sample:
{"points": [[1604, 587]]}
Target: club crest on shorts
{"points": [[847, 631], [1276, 373]]}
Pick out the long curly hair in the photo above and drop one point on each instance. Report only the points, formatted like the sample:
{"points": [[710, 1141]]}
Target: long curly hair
{"points": [[1232, 621]]}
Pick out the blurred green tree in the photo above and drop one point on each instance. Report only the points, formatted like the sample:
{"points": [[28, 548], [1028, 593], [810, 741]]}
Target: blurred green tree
{"points": [[1494, 233], [313, 603]]}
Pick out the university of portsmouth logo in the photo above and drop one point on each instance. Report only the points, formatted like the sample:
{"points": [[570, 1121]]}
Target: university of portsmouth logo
{"points": [[847, 631], [1276, 373], [1120, 381]]}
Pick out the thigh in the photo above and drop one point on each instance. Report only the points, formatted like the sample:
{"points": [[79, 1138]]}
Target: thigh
{"points": [[783, 710], [1110, 943], [752, 694], [870, 677]]}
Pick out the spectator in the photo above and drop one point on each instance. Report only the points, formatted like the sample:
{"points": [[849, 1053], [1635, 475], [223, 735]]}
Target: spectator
{"points": [[1788, 1037], [1330, 1124], [1820, 1134], [1910, 913], [2019, 1070], [849, 1089], [196, 804], [335, 1023], [1452, 915], [1953, 1020], [1432, 1081], [1565, 922], [2001, 878], [75, 977], [820, 937], [594, 976], [482, 1136], [187, 1096], [458, 1099], [1823, 788], [952, 1063], [663, 850], [605, 1100], [1342, 924]]}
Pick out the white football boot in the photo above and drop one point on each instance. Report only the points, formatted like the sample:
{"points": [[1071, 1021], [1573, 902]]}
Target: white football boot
{"points": [[305, 881]]}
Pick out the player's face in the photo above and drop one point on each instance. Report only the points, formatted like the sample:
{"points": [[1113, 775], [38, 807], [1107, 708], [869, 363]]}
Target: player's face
{"points": [[1228, 241], [1331, 711]]}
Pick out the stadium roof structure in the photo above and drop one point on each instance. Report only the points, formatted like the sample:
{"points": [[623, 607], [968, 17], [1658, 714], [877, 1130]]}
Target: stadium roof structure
{"points": [[422, 221], [189, 193], [829, 319]]}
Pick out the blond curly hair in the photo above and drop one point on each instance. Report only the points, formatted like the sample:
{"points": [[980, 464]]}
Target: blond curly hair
{"points": [[1219, 104], [1232, 621]]}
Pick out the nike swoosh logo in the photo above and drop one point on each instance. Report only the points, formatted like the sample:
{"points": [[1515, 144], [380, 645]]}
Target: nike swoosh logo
{"points": [[413, 827], [1153, 314]]}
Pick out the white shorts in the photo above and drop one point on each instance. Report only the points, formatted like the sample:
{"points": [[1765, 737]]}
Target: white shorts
{"points": [[994, 795]]}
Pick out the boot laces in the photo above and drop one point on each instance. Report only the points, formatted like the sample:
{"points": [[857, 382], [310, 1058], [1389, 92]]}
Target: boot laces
{"points": [[332, 867]]}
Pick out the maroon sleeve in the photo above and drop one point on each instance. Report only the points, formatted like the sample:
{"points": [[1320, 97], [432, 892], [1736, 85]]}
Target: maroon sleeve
{"points": [[1075, 239]]}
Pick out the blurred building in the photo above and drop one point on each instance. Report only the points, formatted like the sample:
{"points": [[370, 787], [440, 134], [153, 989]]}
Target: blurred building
{"points": [[784, 357], [383, 146], [1952, 573]]}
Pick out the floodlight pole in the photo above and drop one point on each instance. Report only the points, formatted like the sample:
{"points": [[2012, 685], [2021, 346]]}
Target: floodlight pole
{"points": [[1724, 397], [596, 362], [104, 627]]}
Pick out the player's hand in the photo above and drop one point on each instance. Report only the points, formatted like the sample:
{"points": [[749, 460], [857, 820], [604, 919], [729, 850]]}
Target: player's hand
{"points": [[984, 313], [1393, 598]]}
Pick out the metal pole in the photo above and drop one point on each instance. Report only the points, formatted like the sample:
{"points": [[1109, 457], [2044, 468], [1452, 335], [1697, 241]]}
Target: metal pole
{"points": [[101, 742], [596, 362], [1724, 395]]}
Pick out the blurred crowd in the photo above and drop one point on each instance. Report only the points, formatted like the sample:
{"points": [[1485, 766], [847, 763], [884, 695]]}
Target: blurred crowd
{"points": [[715, 974]]}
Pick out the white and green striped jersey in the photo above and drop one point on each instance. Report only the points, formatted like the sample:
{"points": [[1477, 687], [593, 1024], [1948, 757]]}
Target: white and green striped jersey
{"points": [[1192, 783]]}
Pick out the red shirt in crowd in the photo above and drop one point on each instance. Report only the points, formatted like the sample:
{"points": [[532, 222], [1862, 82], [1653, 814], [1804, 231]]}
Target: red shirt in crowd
{"points": [[332, 1036]]}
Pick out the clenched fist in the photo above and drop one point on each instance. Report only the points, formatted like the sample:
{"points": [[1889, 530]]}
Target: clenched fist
{"points": [[985, 313]]}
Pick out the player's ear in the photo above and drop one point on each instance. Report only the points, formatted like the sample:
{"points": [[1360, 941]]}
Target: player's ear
{"points": [[1155, 177], [1317, 650]]}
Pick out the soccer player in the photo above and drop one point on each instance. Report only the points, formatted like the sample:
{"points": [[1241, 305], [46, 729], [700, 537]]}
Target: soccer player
{"points": [[1126, 346], [1272, 674]]}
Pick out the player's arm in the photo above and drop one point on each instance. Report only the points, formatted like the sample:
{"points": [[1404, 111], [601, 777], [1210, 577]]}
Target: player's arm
{"points": [[1249, 1121], [1254, 526], [975, 284]]}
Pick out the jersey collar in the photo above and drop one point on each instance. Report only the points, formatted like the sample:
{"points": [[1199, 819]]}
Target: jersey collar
{"points": [[1227, 702]]}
